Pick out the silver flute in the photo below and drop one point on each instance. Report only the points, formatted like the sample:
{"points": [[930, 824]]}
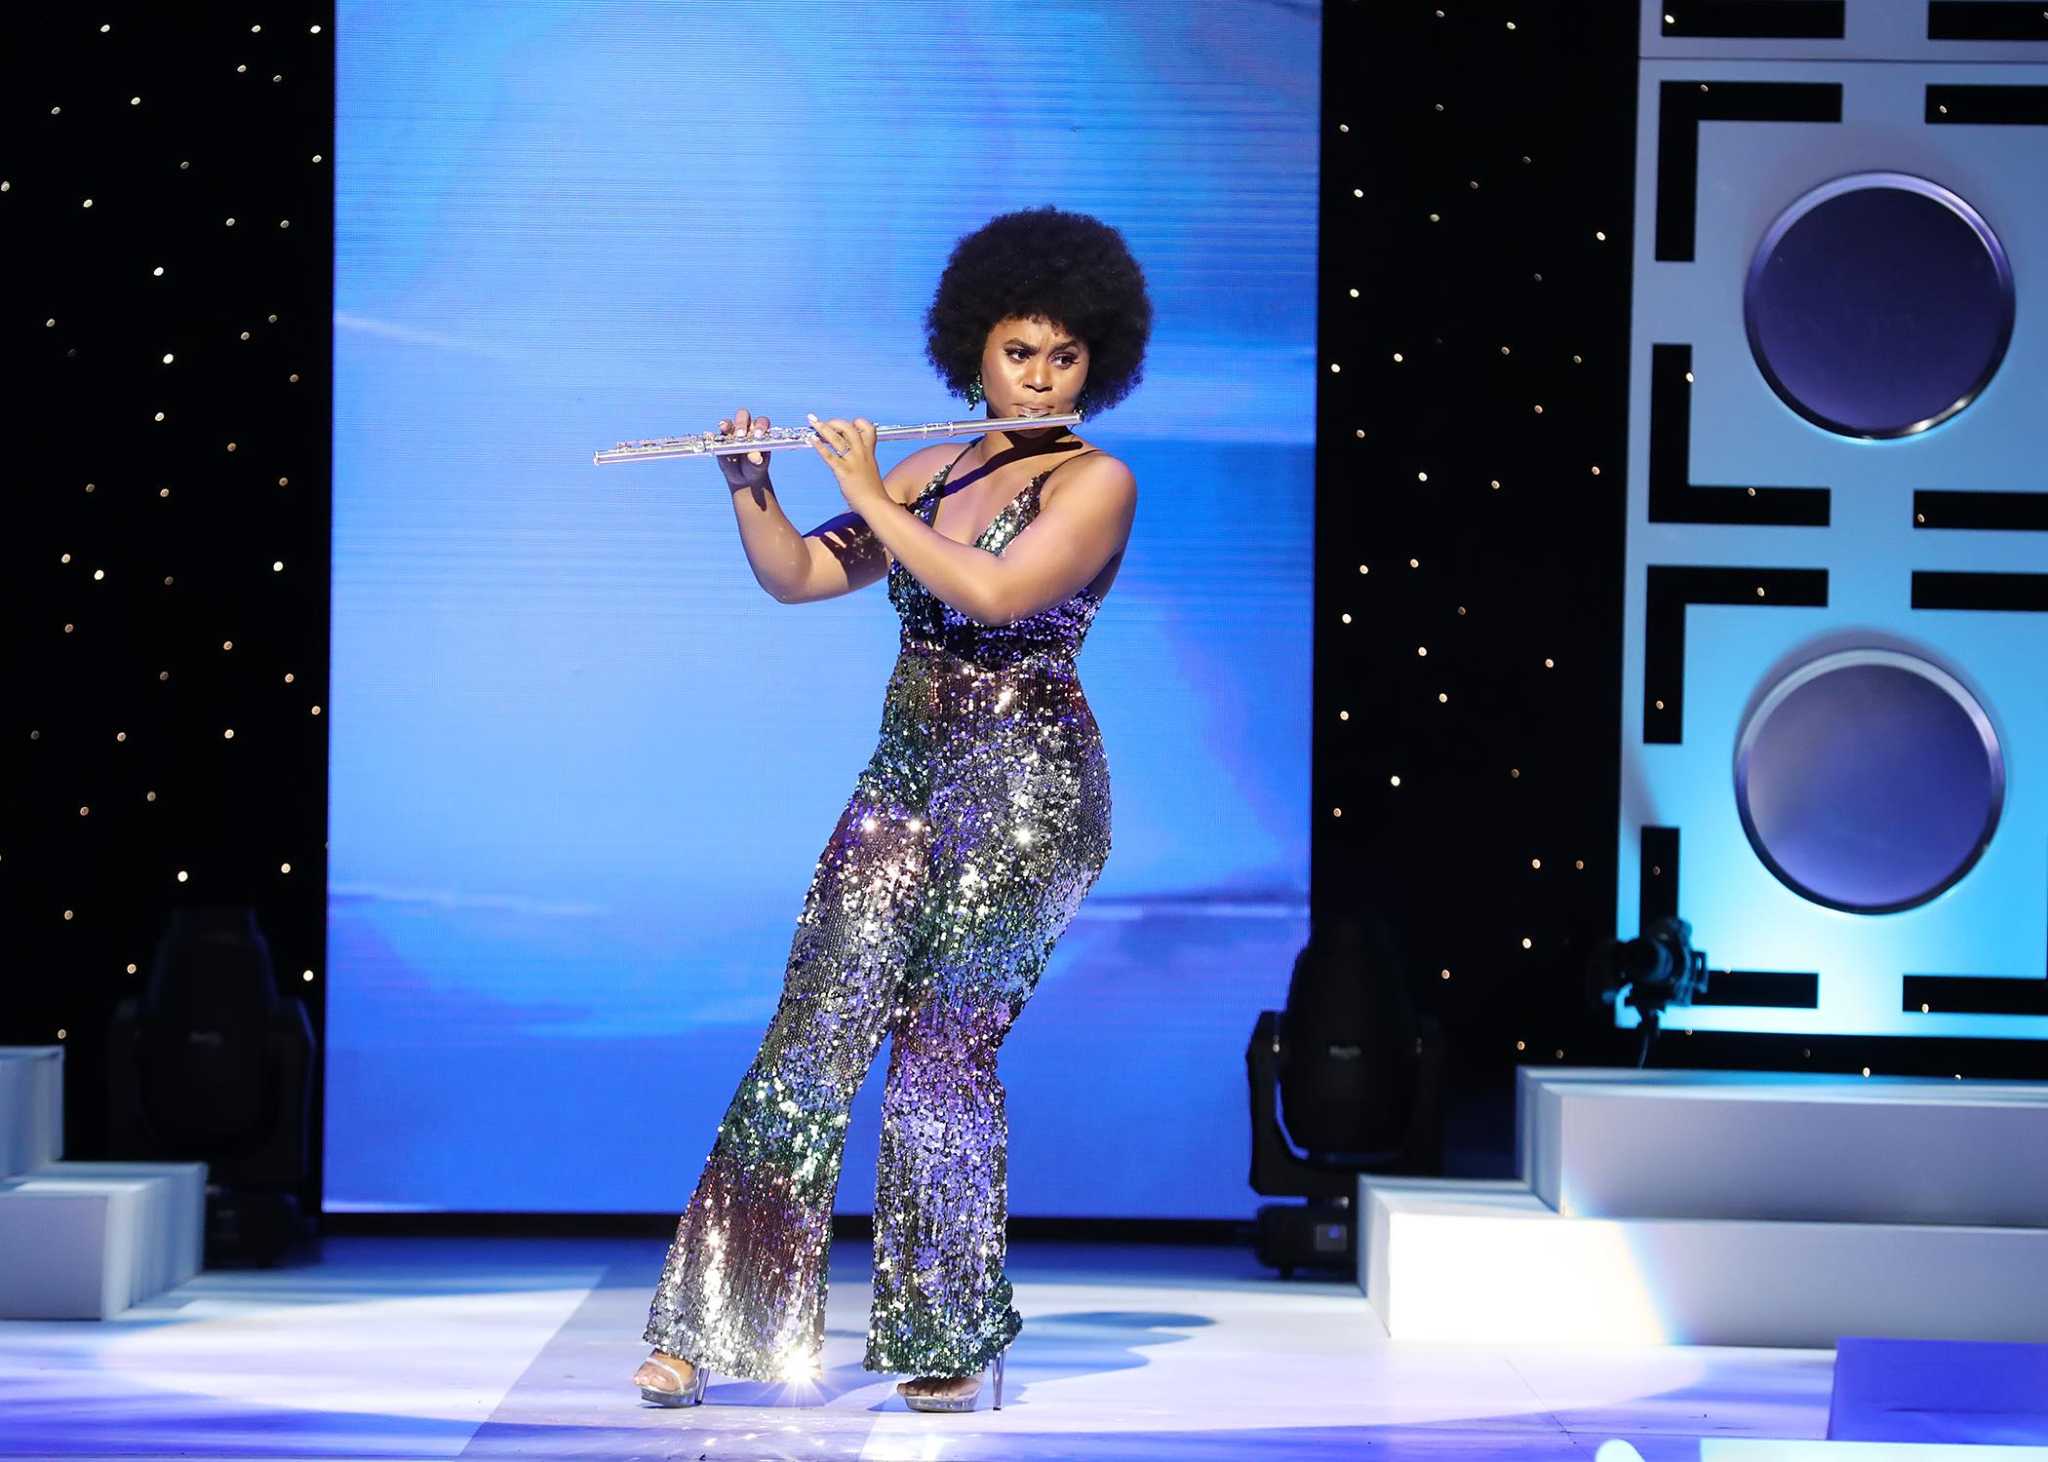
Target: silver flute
{"points": [[714, 444]]}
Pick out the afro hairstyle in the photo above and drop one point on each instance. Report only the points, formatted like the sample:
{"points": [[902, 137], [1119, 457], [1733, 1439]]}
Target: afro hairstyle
{"points": [[1047, 264]]}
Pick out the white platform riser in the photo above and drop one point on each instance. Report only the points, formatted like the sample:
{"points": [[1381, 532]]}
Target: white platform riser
{"points": [[1489, 1262], [84, 1241], [31, 1107], [1828, 1150]]}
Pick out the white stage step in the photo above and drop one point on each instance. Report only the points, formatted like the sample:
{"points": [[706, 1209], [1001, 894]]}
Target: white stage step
{"points": [[87, 1240], [1748, 1145], [1490, 1262], [31, 1107], [84, 1240], [1530, 1079]]}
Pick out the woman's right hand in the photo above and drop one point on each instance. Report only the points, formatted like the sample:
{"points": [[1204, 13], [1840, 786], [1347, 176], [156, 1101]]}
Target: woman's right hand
{"points": [[744, 469]]}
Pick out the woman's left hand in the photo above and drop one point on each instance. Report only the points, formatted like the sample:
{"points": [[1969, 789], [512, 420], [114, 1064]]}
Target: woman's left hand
{"points": [[848, 448]]}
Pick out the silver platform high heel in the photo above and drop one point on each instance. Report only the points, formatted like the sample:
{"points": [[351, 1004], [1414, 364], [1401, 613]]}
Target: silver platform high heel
{"points": [[958, 1403], [691, 1395]]}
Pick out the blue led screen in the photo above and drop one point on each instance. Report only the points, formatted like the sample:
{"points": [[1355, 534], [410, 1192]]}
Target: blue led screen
{"points": [[582, 766]]}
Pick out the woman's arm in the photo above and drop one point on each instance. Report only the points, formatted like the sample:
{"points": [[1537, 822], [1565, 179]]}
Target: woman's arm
{"points": [[1078, 530], [842, 554]]}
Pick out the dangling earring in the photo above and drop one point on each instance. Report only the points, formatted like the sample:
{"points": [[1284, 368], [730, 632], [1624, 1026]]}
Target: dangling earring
{"points": [[974, 390]]}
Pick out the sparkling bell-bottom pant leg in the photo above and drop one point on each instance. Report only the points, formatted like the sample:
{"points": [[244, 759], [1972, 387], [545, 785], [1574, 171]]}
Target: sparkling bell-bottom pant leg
{"points": [[1020, 834], [742, 1290], [930, 916]]}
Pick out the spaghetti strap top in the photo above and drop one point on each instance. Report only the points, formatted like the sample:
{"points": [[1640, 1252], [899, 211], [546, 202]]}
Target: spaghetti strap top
{"points": [[1050, 638]]}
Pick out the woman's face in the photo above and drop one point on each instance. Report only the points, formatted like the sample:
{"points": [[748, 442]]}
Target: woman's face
{"points": [[1032, 367]]}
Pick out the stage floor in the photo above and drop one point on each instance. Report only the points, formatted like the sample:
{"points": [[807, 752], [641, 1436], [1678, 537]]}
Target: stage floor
{"points": [[430, 1348]]}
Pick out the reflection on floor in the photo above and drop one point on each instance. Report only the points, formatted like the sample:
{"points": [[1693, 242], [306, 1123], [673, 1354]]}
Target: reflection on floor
{"points": [[427, 1348]]}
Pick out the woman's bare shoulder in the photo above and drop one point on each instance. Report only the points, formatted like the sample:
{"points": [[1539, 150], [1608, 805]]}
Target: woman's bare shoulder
{"points": [[1104, 460], [1098, 465]]}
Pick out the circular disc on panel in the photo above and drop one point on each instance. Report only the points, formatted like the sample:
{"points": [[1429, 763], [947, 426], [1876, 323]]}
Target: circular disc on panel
{"points": [[1869, 780], [1879, 305]]}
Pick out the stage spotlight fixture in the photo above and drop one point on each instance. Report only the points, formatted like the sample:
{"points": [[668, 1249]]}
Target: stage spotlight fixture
{"points": [[1351, 1073], [1657, 969], [211, 1063]]}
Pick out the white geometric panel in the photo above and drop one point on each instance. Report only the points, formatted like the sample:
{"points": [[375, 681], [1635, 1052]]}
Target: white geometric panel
{"points": [[1760, 540]]}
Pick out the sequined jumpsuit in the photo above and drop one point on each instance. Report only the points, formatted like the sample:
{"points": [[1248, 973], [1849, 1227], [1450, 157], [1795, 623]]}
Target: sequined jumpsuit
{"points": [[972, 835]]}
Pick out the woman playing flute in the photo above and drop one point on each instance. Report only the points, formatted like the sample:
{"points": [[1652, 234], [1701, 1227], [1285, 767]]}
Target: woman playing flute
{"points": [[969, 841]]}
